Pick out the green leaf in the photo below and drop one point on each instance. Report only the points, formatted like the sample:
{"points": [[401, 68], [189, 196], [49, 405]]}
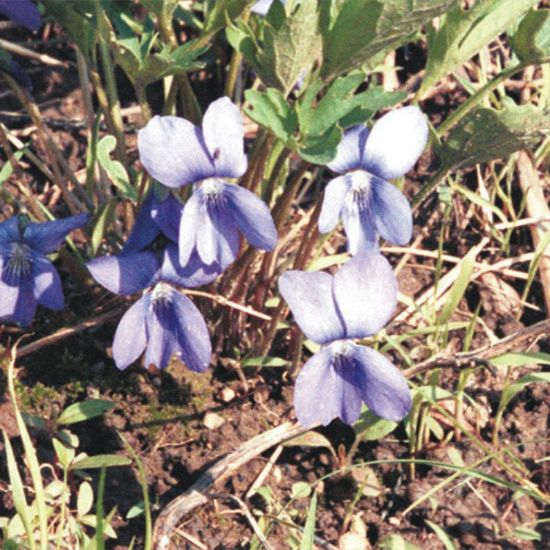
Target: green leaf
{"points": [[459, 287], [370, 427], [136, 510], [341, 106], [520, 359], [487, 134], [106, 218], [223, 10], [463, 33], [525, 533], [308, 537], [65, 454], [300, 489], [100, 461], [289, 50], [84, 410], [85, 498], [264, 362], [17, 490], [531, 41], [443, 537], [321, 149], [361, 29], [115, 169], [513, 389], [271, 110], [80, 26], [34, 421]]}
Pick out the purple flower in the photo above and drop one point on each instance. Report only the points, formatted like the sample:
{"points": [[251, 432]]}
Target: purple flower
{"points": [[362, 197], [176, 153], [332, 310], [27, 276], [22, 12], [157, 215], [163, 322]]}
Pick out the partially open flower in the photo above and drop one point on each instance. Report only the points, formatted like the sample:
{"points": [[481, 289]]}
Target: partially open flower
{"points": [[333, 310], [27, 276]]}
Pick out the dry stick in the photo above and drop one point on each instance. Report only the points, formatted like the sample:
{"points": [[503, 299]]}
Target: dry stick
{"points": [[223, 468], [482, 356], [57, 159], [63, 333], [536, 206], [24, 52]]}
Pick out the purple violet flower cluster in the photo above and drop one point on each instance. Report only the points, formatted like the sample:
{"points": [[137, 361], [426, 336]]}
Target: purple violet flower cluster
{"points": [[203, 235], [360, 298]]}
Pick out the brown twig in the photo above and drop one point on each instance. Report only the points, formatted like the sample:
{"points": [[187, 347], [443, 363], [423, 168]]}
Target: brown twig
{"points": [[482, 356], [537, 207], [195, 496]]}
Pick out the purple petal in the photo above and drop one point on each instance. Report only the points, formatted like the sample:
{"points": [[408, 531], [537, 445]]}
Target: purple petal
{"points": [[47, 236], [18, 303], [190, 223], [131, 334], [145, 230], [223, 133], [17, 72], [381, 385], [125, 274], [10, 230], [22, 12], [167, 215], [173, 151], [176, 326], [217, 237], [392, 212], [395, 142], [47, 290], [365, 292], [333, 202], [359, 225], [310, 298], [194, 273], [252, 217], [321, 393], [349, 154]]}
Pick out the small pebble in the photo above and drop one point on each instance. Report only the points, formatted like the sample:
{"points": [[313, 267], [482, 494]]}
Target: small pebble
{"points": [[227, 395], [213, 420]]}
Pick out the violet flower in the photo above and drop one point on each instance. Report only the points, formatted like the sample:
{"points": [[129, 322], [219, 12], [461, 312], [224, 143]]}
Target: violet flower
{"points": [[157, 215], [27, 276], [22, 12], [332, 310], [362, 197], [176, 153], [163, 322]]}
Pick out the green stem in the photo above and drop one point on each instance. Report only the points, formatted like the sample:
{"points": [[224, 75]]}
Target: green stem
{"points": [[110, 81], [191, 107]]}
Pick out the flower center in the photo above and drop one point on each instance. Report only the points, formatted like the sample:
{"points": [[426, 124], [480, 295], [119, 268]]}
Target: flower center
{"points": [[212, 192], [19, 261], [162, 293], [211, 188], [361, 188], [341, 348]]}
